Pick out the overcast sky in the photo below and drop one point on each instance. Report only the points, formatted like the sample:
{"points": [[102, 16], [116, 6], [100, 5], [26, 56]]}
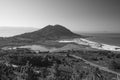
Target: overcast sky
{"points": [[77, 15]]}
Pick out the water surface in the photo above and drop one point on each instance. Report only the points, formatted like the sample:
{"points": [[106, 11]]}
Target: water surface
{"points": [[107, 38]]}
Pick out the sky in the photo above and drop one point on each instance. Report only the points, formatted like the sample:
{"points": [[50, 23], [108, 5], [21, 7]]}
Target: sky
{"points": [[76, 15]]}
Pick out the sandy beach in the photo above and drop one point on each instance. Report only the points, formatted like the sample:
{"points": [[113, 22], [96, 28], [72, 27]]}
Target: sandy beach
{"points": [[93, 44]]}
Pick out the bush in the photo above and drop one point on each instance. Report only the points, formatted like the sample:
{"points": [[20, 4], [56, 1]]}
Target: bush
{"points": [[115, 65]]}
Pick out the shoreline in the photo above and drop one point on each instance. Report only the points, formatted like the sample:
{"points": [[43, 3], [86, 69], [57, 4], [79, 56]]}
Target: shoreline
{"points": [[80, 41], [93, 44]]}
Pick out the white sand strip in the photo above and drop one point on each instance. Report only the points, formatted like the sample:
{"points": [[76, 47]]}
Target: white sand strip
{"points": [[92, 44]]}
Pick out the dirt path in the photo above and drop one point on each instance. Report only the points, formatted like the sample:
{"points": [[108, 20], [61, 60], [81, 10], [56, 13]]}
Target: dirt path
{"points": [[95, 65]]}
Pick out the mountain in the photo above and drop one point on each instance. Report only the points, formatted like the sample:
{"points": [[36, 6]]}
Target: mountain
{"points": [[46, 36], [49, 32]]}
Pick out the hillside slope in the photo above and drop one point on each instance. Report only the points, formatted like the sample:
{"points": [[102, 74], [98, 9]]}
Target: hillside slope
{"points": [[50, 33]]}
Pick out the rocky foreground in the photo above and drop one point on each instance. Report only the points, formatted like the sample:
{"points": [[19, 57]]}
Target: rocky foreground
{"points": [[24, 64]]}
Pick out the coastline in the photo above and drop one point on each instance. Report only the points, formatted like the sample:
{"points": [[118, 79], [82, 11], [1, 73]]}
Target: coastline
{"points": [[80, 41], [93, 44]]}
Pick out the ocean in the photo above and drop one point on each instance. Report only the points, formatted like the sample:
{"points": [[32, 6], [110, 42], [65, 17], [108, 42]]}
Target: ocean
{"points": [[107, 38]]}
